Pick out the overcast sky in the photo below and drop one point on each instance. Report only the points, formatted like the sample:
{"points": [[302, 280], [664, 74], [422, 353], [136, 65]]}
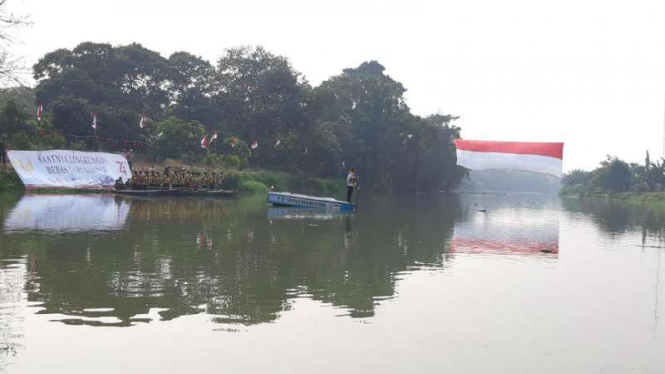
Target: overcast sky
{"points": [[588, 73]]}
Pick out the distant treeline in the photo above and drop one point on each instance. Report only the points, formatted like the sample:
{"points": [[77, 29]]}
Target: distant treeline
{"points": [[614, 175], [357, 118], [510, 181]]}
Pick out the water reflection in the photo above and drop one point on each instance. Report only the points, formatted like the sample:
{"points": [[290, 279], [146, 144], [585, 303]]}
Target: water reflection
{"points": [[232, 264], [617, 217], [223, 258], [67, 213], [243, 262], [517, 224], [304, 213], [12, 274]]}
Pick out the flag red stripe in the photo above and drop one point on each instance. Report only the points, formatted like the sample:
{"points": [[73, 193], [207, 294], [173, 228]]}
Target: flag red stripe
{"points": [[524, 148]]}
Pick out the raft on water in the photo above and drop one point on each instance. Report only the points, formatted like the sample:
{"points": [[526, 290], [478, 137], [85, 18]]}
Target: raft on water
{"points": [[155, 193], [305, 201]]}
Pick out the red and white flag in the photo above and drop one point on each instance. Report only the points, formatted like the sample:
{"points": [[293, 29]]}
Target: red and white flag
{"points": [[94, 120], [544, 158], [40, 111], [204, 142], [213, 137], [255, 144], [142, 121]]}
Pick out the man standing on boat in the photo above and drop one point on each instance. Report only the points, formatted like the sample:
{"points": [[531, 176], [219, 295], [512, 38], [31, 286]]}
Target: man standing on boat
{"points": [[351, 182]]}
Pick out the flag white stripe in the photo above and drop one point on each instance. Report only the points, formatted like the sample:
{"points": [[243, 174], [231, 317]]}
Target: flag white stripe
{"points": [[509, 161]]}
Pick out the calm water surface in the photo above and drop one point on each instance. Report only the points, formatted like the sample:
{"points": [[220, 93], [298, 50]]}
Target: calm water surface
{"points": [[429, 284]]}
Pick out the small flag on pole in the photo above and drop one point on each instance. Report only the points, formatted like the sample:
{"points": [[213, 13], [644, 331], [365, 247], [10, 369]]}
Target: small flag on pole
{"points": [[343, 165], [142, 121], [213, 137], [255, 144], [305, 150], [278, 142], [204, 142], [94, 120], [40, 111]]}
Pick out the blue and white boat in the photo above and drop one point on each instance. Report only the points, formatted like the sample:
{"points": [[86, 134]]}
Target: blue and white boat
{"points": [[305, 201]]}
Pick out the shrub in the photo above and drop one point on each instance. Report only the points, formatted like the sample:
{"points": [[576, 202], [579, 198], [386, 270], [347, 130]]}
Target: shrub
{"points": [[213, 160], [232, 162], [78, 146], [20, 141], [253, 187], [9, 181], [52, 142]]}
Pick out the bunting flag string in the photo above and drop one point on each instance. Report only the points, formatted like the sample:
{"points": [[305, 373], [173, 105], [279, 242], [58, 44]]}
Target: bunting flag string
{"points": [[48, 133], [205, 142]]}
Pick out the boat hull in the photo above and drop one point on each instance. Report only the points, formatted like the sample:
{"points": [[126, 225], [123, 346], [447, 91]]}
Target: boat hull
{"points": [[305, 201]]}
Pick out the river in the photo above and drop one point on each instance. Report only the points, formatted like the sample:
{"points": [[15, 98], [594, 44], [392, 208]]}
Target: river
{"points": [[458, 283]]}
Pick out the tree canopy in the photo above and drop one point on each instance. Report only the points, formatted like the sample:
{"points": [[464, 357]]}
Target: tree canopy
{"points": [[357, 118]]}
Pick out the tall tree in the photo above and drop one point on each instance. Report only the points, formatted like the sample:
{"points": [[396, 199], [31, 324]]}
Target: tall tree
{"points": [[192, 92], [262, 96], [129, 77], [13, 119], [378, 134]]}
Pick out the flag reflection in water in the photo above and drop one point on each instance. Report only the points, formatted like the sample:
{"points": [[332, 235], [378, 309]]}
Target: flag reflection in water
{"points": [[67, 213], [507, 231]]}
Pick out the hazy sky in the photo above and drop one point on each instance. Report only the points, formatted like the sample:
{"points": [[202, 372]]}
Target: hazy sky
{"points": [[589, 73]]}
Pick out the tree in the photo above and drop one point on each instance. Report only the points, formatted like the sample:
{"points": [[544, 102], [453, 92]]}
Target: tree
{"points": [[13, 119], [367, 113], [130, 77], [179, 138], [357, 118], [367, 110], [9, 64], [192, 89], [613, 175], [261, 96], [576, 177]]}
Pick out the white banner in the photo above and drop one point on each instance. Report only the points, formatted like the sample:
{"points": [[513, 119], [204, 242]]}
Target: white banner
{"points": [[69, 169]]}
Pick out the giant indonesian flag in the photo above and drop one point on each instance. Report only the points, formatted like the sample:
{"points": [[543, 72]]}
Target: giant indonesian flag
{"points": [[544, 158]]}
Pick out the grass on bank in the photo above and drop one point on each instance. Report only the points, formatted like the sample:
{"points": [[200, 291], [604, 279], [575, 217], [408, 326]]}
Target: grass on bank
{"points": [[639, 197]]}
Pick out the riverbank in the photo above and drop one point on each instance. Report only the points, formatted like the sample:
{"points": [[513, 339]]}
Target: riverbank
{"points": [[244, 181], [636, 197]]}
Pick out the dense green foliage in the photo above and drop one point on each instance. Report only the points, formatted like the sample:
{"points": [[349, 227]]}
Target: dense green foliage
{"points": [[616, 176], [9, 181], [357, 118]]}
